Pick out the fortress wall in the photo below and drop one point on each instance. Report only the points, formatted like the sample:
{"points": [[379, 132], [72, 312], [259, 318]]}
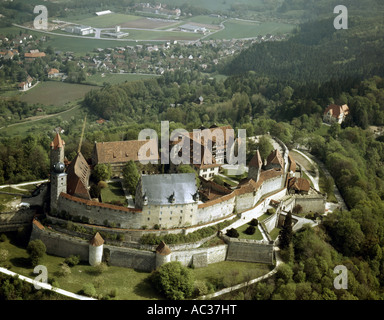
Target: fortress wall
{"points": [[215, 210], [131, 258], [271, 222], [249, 251], [200, 257], [245, 201], [99, 214], [61, 245], [311, 204], [17, 217], [272, 185]]}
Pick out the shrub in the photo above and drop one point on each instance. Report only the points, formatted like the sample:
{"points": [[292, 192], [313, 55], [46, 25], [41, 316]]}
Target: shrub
{"points": [[36, 250], [233, 233], [102, 185], [254, 222], [4, 254], [173, 280], [72, 260], [101, 268], [3, 237], [250, 230], [64, 270], [88, 290]]}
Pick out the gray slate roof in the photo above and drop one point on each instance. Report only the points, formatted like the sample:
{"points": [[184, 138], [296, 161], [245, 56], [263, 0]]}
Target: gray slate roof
{"points": [[159, 188]]}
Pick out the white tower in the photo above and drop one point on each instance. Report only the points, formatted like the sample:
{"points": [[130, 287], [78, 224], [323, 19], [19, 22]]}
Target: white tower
{"points": [[96, 250], [163, 254], [117, 29]]}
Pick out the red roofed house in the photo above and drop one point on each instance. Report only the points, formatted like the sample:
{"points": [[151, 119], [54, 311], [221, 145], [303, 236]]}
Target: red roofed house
{"points": [[335, 113]]}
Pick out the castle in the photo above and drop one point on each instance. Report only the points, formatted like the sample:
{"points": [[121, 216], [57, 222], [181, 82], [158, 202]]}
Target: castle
{"points": [[164, 203]]}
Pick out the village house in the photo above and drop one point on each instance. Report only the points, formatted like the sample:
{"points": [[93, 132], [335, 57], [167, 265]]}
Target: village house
{"points": [[335, 113]]}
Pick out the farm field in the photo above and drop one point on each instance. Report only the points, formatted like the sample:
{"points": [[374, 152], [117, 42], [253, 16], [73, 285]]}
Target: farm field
{"points": [[123, 20], [55, 93], [237, 29]]}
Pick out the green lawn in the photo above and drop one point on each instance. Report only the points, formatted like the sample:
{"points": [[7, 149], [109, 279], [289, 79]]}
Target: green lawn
{"points": [[256, 236], [274, 233], [130, 284], [114, 192], [229, 273]]}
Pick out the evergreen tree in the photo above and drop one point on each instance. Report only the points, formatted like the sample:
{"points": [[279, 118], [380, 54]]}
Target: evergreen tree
{"points": [[131, 176], [286, 232]]}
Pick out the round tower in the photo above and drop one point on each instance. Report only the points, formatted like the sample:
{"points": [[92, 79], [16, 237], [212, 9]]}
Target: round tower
{"points": [[163, 254], [96, 246]]}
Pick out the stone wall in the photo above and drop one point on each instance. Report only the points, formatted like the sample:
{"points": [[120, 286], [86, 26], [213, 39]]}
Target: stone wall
{"points": [[215, 210], [311, 203], [200, 257], [249, 250], [61, 245], [271, 222], [97, 214], [131, 258]]}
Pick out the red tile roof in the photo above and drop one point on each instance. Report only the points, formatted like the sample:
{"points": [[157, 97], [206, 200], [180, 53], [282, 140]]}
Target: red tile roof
{"points": [[97, 240], [98, 204], [256, 161], [123, 151], [57, 142], [335, 110]]}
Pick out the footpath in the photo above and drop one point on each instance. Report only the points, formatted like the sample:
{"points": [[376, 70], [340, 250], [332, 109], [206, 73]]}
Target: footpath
{"points": [[46, 286]]}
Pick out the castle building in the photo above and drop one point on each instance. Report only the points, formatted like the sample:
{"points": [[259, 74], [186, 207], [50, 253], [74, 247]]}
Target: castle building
{"points": [[78, 177], [169, 200], [118, 153], [255, 166]]}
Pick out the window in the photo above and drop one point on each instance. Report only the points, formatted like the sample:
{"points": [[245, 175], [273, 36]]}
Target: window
{"points": [[181, 210], [149, 212], [149, 219], [161, 212]]}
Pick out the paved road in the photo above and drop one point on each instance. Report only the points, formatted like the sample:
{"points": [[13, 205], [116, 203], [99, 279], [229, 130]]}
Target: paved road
{"points": [[340, 201]]}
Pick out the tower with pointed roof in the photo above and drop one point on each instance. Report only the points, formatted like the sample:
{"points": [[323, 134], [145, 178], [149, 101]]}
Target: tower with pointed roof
{"points": [[57, 150], [96, 250], [58, 175], [163, 254], [254, 166]]}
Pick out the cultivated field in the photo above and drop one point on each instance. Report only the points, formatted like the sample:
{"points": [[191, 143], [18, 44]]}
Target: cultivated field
{"points": [[55, 93], [238, 29]]}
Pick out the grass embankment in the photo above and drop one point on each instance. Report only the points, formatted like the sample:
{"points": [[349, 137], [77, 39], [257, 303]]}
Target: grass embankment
{"points": [[130, 284]]}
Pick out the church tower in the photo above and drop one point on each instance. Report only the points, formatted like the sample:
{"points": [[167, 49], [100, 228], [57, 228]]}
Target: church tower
{"points": [[255, 166], [57, 151], [58, 175]]}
